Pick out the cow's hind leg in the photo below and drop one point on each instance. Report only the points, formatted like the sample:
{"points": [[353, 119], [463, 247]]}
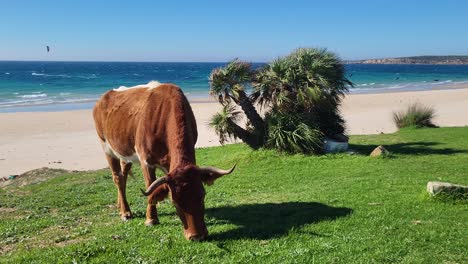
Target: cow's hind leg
{"points": [[119, 176], [151, 212]]}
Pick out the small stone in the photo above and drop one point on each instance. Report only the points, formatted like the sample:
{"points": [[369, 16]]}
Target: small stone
{"points": [[444, 187], [379, 151]]}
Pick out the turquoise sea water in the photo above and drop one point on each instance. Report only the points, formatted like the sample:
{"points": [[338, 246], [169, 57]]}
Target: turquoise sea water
{"points": [[57, 86]]}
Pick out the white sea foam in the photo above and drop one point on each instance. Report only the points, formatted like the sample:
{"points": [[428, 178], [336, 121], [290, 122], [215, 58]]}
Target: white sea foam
{"points": [[82, 100], [38, 95], [409, 86], [51, 75], [42, 101], [37, 74]]}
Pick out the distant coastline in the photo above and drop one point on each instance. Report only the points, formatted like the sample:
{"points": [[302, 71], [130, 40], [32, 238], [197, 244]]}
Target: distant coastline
{"points": [[429, 60]]}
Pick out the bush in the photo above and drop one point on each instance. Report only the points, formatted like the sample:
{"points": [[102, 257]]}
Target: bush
{"points": [[299, 94], [290, 133], [309, 81], [416, 115]]}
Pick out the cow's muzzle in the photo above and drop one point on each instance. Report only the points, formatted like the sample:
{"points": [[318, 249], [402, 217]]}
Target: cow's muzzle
{"points": [[196, 237]]}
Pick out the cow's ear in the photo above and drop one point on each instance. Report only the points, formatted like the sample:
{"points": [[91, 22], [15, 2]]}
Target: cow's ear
{"points": [[159, 194], [210, 174], [208, 178]]}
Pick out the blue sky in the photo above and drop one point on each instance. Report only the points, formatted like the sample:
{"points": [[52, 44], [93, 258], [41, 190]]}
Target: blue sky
{"points": [[220, 30]]}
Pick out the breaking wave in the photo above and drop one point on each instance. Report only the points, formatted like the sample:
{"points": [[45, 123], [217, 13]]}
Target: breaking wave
{"points": [[37, 95]]}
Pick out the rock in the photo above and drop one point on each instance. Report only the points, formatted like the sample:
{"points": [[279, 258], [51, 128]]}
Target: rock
{"points": [[435, 188], [379, 151]]}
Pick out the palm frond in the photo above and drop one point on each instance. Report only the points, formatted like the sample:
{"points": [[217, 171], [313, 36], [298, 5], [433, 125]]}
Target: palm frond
{"points": [[224, 121], [290, 133]]}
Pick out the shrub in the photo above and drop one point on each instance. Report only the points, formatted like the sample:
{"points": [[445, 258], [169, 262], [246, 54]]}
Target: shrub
{"points": [[300, 95], [290, 133], [416, 115], [308, 81]]}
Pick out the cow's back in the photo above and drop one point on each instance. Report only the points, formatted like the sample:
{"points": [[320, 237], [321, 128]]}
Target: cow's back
{"points": [[152, 120]]}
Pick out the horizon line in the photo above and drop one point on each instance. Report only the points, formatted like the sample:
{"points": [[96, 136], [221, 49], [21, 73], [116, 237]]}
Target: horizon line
{"points": [[257, 62], [123, 61]]}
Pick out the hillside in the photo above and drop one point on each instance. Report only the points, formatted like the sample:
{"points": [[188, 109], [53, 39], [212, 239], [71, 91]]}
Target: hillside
{"points": [[448, 60]]}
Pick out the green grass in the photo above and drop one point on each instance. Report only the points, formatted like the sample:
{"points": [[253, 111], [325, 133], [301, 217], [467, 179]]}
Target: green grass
{"points": [[274, 208]]}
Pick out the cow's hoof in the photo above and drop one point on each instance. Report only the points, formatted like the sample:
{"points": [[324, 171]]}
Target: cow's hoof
{"points": [[151, 222], [126, 217]]}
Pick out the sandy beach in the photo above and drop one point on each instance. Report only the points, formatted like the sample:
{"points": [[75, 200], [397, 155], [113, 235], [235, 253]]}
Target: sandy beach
{"points": [[30, 140]]}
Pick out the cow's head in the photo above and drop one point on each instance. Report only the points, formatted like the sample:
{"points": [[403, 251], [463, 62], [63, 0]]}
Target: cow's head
{"points": [[186, 188]]}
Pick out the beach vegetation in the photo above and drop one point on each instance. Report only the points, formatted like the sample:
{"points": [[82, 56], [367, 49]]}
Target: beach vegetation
{"points": [[274, 208], [307, 85], [287, 132], [416, 115], [228, 85]]}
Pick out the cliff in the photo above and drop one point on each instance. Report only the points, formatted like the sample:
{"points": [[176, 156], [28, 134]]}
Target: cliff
{"points": [[449, 60]]}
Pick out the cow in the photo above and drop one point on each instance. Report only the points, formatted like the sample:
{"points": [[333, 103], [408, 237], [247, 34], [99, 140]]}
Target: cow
{"points": [[154, 125]]}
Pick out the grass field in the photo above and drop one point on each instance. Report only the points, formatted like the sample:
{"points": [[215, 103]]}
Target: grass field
{"points": [[274, 208]]}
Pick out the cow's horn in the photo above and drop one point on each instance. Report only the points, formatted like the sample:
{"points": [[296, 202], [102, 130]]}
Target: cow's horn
{"points": [[154, 185], [217, 171]]}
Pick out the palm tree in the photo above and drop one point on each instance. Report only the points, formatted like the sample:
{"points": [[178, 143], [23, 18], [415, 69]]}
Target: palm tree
{"points": [[225, 124], [300, 93], [308, 81], [228, 84]]}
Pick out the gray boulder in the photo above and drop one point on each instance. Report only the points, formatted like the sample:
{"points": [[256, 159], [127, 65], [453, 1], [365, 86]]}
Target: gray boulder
{"points": [[435, 188]]}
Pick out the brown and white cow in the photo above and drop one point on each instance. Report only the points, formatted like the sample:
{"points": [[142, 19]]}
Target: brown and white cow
{"points": [[154, 125]]}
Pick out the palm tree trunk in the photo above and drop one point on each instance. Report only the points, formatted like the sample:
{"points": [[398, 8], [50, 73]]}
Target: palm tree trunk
{"points": [[250, 111], [257, 137], [246, 136]]}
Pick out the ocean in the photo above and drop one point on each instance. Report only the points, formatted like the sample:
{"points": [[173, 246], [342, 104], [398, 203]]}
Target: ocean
{"points": [[59, 86]]}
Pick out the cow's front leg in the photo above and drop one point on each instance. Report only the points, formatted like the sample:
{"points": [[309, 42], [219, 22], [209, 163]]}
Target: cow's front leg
{"points": [[123, 204], [120, 180], [151, 212]]}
